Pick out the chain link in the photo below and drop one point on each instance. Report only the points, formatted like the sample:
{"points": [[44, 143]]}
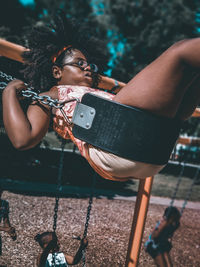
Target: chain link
{"points": [[44, 99], [2, 85], [178, 183], [3, 75], [190, 190], [59, 187], [88, 218], [86, 228]]}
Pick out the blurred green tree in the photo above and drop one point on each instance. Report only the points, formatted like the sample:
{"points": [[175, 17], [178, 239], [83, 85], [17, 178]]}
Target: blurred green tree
{"points": [[148, 28]]}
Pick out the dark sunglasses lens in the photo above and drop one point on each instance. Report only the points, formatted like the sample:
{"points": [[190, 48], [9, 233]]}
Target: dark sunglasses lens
{"points": [[93, 67], [82, 64]]}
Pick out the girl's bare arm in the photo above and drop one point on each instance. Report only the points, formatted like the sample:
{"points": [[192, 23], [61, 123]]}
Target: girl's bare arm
{"points": [[24, 130], [158, 231]]}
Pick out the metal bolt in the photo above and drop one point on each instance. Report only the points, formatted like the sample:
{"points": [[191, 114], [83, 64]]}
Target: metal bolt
{"points": [[92, 111], [87, 125], [81, 115]]}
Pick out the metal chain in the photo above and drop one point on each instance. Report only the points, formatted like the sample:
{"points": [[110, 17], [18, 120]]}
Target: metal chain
{"points": [[190, 190], [178, 184], [44, 99], [5, 76], [59, 187], [86, 228], [2, 85], [88, 218], [59, 184]]}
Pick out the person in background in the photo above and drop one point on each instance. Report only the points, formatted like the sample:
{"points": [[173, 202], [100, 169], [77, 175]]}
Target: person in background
{"points": [[159, 243], [49, 242], [5, 225]]}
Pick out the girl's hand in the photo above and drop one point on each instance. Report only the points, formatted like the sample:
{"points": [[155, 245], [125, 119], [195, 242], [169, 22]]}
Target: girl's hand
{"points": [[5, 229], [18, 86], [84, 242]]}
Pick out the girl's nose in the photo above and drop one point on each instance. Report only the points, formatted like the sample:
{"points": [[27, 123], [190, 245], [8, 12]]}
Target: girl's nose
{"points": [[88, 67]]}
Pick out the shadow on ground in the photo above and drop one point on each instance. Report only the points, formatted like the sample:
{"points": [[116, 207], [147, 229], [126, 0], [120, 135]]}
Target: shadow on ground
{"points": [[36, 171]]}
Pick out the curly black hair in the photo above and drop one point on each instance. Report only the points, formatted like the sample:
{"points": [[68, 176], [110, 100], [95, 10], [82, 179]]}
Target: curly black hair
{"points": [[46, 40], [172, 212], [40, 238]]}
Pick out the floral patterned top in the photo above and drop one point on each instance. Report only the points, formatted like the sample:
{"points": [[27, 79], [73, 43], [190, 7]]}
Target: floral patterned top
{"points": [[64, 129]]}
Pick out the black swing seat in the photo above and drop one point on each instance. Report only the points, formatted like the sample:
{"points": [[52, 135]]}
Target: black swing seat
{"points": [[125, 131]]}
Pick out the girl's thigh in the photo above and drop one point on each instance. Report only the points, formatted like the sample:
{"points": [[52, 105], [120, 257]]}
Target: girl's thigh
{"points": [[159, 87], [190, 100]]}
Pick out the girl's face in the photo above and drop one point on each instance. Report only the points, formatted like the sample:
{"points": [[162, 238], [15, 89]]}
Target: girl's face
{"points": [[74, 70], [172, 220], [47, 239]]}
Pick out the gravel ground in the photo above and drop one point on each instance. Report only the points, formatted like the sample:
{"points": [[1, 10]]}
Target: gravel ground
{"points": [[108, 232]]}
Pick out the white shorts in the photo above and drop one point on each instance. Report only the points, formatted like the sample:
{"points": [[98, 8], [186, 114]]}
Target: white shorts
{"points": [[116, 168]]}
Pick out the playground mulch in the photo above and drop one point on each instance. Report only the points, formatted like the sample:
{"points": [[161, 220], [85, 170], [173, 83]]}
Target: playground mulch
{"points": [[108, 232]]}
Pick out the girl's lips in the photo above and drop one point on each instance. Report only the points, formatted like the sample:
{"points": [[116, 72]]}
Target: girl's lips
{"points": [[88, 77], [88, 74]]}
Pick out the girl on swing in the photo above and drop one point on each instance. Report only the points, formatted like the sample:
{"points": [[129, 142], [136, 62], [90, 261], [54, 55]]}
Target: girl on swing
{"points": [[5, 224], [49, 242], [65, 62], [159, 243]]}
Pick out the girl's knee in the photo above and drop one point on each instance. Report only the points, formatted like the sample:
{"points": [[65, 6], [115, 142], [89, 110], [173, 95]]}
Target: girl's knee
{"points": [[188, 51]]}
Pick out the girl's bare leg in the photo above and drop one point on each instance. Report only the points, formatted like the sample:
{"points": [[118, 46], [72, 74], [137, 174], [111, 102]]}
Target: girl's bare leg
{"points": [[160, 261], [161, 86], [190, 100], [168, 259]]}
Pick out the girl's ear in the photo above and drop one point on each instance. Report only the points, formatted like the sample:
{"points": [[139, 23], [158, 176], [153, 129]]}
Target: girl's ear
{"points": [[57, 72]]}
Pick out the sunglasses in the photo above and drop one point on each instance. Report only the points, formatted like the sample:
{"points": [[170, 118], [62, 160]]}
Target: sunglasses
{"points": [[82, 64]]}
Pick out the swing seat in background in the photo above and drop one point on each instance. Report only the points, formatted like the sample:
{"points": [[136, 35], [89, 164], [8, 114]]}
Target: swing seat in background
{"points": [[125, 131]]}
